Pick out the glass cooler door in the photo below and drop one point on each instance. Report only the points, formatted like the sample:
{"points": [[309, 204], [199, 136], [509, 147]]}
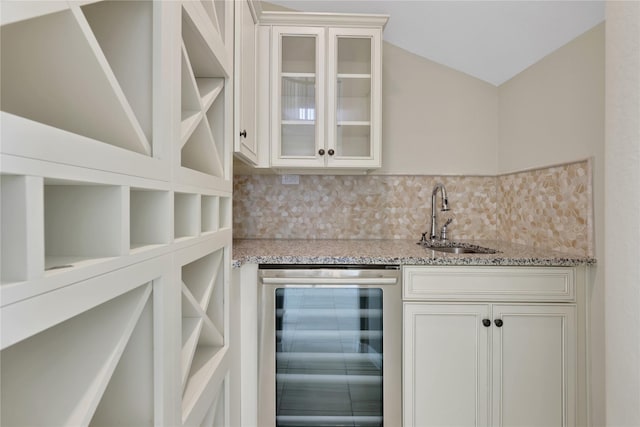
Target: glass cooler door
{"points": [[329, 357]]}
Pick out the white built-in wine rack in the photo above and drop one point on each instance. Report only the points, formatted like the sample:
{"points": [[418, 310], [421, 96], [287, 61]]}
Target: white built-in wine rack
{"points": [[116, 193]]}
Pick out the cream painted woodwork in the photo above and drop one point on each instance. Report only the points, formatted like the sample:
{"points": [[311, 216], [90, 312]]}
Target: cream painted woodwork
{"points": [[470, 359], [245, 75], [489, 283], [324, 102], [116, 189], [445, 365]]}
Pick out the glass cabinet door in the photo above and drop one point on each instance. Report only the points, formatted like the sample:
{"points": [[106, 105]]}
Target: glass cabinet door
{"points": [[354, 97], [298, 104]]}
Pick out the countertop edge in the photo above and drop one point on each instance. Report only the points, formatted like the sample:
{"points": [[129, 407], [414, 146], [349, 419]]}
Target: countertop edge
{"points": [[332, 253]]}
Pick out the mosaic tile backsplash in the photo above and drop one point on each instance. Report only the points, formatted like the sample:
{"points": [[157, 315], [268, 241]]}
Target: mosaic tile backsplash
{"points": [[548, 208], [551, 207]]}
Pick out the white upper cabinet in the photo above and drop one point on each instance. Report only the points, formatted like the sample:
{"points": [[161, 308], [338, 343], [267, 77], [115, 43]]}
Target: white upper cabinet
{"points": [[325, 90], [245, 140]]}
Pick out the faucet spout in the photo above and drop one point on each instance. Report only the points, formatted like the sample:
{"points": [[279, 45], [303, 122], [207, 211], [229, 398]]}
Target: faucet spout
{"points": [[444, 207]]}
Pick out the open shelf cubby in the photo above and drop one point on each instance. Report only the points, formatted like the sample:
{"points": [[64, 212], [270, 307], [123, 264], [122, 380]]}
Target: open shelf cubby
{"points": [[225, 212], [186, 215], [54, 71], [149, 218], [92, 354], [210, 213], [83, 223], [22, 243]]}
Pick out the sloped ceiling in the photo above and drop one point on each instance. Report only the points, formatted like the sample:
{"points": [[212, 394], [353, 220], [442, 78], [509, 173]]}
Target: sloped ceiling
{"points": [[490, 40]]}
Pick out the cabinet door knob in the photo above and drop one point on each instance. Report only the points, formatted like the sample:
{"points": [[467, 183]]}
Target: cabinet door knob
{"points": [[243, 133], [486, 322], [498, 323], [331, 152], [321, 151]]}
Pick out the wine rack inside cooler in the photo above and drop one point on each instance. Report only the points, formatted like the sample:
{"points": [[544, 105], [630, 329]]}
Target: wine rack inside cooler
{"points": [[329, 357]]}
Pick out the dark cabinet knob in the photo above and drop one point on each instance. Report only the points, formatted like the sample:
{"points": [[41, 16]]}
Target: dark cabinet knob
{"points": [[243, 133], [321, 151], [498, 323], [486, 322], [331, 152]]}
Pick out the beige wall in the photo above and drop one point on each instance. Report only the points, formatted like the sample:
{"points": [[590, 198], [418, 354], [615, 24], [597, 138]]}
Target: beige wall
{"points": [[622, 274], [436, 120], [553, 112]]}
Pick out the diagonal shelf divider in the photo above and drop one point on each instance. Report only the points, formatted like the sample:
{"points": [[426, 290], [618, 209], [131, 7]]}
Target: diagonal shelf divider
{"points": [[215, 310], [215, 118], [204, 43], [70, 393], [191, 105], [190, 121], [216, 415], [129, 397], [212, 13], [128, 50], [199, 150], [209, 89], [198, 277], [65, 63], [210, 335], [191, 327], [205, 370]]}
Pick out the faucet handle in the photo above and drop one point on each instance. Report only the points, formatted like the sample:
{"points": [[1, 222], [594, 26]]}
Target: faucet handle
{"points": [[443, 231]]}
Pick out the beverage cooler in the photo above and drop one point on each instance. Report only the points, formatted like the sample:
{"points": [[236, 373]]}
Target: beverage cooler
{"points": [[330, 346]]}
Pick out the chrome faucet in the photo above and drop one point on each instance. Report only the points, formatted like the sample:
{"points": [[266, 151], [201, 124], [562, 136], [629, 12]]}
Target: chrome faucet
{"points": [[434, 215]]}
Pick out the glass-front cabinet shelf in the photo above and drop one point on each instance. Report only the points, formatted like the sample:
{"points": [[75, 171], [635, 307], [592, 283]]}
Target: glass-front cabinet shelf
{"points": [[297, 130], [325, 91], [353, 100]]}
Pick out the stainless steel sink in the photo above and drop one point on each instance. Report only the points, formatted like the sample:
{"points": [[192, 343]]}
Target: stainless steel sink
{"points": [[457, 248], [462, 250]]}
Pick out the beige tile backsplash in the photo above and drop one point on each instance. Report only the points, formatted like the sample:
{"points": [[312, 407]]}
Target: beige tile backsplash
{"points": [[548, 207]]}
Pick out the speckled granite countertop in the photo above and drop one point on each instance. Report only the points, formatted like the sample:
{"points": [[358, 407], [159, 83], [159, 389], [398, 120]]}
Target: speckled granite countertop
{"points": [[403, 252]]}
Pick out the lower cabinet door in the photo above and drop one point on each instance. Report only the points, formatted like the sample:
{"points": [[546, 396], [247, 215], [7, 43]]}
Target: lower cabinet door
{"points": [[534, 365], [445, 364]]}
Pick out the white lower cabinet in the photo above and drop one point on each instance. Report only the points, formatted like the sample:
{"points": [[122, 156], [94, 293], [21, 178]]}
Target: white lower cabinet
{"points": [[445, 365], [478, 362]]}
